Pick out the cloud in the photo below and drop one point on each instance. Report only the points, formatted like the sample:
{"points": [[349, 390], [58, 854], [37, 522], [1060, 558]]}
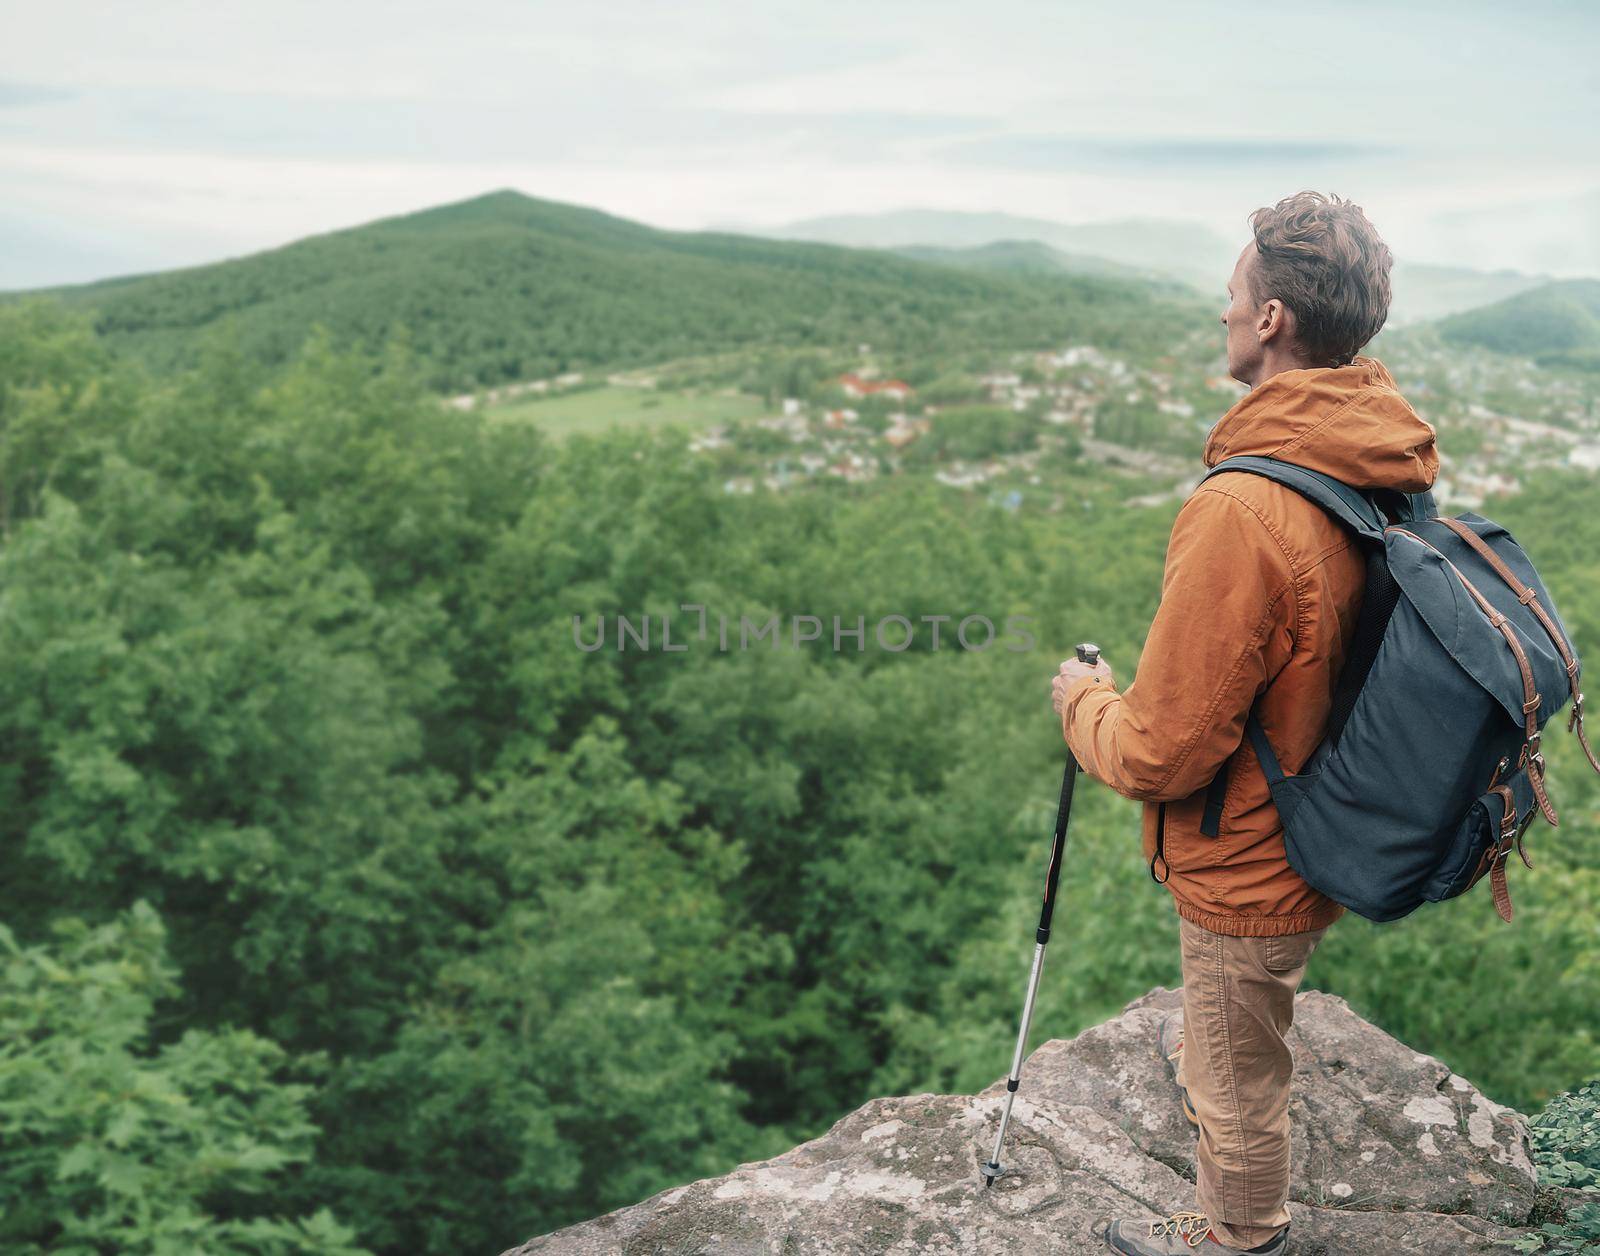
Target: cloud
{"points": [[1155, 155], [1551, 232], [191, 129], [617, 128], [22, 95]]}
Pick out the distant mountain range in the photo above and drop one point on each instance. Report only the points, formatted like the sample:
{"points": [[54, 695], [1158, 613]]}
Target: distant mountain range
{"points": [[1188, 252], [1034, 257], [506, 286], [1176, 249]]}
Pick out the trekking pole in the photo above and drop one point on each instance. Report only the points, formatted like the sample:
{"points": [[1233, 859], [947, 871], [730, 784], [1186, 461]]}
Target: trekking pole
{"points": [[1087, 653]]}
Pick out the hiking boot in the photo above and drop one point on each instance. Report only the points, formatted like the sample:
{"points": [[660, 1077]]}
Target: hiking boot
{"points": [[1182, 1234], [1169, 1042]]}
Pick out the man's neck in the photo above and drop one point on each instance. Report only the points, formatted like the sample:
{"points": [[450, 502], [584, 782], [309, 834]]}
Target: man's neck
{"points": [[1275, 363]]}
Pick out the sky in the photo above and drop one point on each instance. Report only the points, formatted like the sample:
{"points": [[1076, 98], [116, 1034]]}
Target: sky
{"points": [[138, 137]]}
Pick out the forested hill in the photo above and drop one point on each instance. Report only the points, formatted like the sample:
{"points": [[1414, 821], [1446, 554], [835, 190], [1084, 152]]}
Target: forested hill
{"points": [[1557, 324], [506, 287]]}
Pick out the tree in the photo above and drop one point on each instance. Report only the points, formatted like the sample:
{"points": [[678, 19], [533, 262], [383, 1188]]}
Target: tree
{"points": [[113, 1146]]}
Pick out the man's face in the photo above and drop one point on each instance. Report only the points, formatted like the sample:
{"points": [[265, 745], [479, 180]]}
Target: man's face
{"points": [[1241, 318]]}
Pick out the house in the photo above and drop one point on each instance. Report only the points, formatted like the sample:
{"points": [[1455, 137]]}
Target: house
{"points": [[1080, 355], [962, 476], [903, 431], [792, 426], [855, 386], [714, 439], [853, 468]]}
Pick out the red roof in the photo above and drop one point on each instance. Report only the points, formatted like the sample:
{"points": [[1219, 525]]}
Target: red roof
{"points": [[852, 380]]}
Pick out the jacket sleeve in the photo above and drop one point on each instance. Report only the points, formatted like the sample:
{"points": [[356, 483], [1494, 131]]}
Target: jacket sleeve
{"points": [[1224, 629]]}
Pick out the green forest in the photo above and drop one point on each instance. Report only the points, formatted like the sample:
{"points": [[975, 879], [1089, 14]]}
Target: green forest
{"points": [[350, 906]]}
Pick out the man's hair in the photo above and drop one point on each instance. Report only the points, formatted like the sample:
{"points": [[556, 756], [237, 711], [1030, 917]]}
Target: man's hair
{"points": [[1321, 257]]}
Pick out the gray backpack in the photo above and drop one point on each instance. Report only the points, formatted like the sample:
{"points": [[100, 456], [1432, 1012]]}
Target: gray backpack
{"points": [[1430, 770]]}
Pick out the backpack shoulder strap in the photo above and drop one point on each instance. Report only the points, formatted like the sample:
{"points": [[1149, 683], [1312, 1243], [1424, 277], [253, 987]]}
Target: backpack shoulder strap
{"points": [[1417, 507], [1349, 506], [1358, 512]]}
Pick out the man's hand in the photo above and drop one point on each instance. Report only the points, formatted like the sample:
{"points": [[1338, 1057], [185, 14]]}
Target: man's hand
{"points": [[1070, 671]]}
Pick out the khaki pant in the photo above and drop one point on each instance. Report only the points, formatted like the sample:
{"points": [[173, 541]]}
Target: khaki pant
{"points": [[1238, 1004]]}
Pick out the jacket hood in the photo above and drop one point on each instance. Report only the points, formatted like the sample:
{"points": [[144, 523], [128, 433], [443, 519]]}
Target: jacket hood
{"points": [[1349, 422]]}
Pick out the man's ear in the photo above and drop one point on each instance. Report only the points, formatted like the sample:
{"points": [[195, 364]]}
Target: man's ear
{"points": [[1276, 322]]}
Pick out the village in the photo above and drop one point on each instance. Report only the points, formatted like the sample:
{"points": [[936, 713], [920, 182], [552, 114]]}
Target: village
{"points": [[1141, 424], [1500, 421]]}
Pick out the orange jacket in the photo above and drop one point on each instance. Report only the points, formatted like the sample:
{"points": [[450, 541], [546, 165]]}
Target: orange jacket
{"points": [[1259, 598]]}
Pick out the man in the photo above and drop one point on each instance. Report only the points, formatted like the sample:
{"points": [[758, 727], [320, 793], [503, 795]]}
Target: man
{"points": [[1258, 605]]}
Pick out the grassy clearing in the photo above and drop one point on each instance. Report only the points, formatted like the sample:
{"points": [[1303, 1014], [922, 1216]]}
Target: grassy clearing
{"points": [[599, 409]]}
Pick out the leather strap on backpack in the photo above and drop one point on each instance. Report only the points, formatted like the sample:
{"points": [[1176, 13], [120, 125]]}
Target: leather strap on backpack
{"points": [[1531, 700], [1493, 860], [1529, 597], [1502, 891], [1530, 705]]}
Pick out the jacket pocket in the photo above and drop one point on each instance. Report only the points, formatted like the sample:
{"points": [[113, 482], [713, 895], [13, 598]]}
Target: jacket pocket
{"points": [[1180, 846]]}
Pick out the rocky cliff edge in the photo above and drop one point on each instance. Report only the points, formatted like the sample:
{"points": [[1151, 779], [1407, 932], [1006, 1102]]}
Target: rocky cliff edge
{"points": [[1392, 1153]]}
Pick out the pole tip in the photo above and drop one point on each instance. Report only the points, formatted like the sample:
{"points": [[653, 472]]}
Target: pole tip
{"points": [[990, 1171]]}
